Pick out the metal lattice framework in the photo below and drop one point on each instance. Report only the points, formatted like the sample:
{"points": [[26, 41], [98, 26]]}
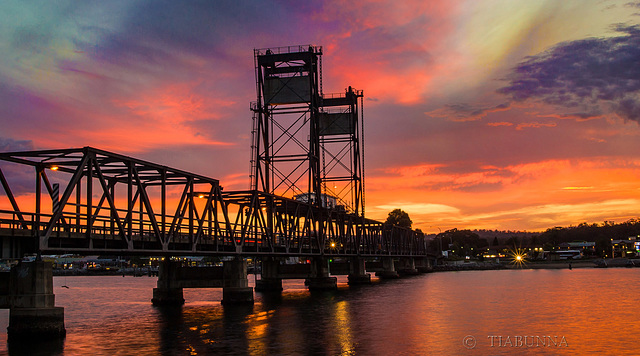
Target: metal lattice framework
{"points": [[305, 144], [113, 204]]}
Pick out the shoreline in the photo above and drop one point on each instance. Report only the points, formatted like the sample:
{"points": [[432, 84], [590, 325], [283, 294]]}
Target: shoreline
{"points": [[566, 264]]}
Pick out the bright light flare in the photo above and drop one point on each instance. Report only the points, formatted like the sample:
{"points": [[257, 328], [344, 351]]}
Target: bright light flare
{"points": [[518, 257]]}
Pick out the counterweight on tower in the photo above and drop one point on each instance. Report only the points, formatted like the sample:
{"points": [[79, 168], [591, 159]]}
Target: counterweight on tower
{"points": [[305, 144]]}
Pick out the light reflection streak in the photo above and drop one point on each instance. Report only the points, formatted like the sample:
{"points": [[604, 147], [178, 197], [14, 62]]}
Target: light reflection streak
{"points": [[257, 328], [342, 322]]}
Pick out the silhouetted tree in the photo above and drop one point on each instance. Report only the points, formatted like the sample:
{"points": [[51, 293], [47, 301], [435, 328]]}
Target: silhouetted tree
{"points": [[512, 242], [400, 218]]}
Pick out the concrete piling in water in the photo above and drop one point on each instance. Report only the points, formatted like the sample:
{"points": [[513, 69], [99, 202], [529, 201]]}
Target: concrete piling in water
{"points": [[168, 291], [235, 287], [173, 277], [407, 266], [320, 279], [357, 272], [423, 265], [270, 280], [33, 313], [389, 269]]}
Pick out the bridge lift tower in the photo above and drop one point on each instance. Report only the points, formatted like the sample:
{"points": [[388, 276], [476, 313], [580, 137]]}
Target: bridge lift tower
{"points": [[305, 144]]}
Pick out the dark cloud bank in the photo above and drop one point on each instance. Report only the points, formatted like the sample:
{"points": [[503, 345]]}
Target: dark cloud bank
{"points": [[591, 77]]}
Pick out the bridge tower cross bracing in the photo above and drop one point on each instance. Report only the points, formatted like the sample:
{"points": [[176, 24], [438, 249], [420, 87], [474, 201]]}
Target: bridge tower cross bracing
{"points": [[306, 144]]}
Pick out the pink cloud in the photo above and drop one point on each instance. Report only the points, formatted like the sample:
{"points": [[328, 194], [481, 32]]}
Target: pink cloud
{"points": [[387, 49]]}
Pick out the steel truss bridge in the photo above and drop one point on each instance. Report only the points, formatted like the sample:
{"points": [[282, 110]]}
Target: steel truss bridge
{"points": [[90, 201]]}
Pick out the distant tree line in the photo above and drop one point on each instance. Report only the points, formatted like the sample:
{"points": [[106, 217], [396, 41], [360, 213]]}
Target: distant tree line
{"points": [[470, 242], [601, 234]]}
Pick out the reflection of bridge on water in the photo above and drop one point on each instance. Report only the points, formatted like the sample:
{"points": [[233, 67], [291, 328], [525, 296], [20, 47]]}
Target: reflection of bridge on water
{"points": [[89, 201]]}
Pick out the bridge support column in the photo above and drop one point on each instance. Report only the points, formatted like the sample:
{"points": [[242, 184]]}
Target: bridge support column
{"points": [[320, 279], [357, 273], [33, 313], [236, 288], [168, 291], [389, 269], [270, 280], [407, 266], [423, 265]]}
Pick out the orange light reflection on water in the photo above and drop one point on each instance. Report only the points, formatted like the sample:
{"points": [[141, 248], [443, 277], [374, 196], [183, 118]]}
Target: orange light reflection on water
{"points": [[584, 311]]}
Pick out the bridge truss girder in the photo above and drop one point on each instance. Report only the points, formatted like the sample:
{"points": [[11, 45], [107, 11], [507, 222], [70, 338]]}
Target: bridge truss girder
{"points": [[113, 204]]}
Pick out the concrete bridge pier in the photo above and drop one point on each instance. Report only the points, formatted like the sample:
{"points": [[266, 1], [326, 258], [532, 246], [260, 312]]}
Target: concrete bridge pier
{"points": [[169, 290], [389, 269], [407, 266], [357, 272], [235, 284], [320, 279], [33, 314], [270, 280], [423, 265]]}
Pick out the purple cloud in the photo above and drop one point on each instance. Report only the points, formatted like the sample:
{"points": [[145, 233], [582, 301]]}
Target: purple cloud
{"points": [[11, 145], [467, 112], [19, 177], [589, 75]]}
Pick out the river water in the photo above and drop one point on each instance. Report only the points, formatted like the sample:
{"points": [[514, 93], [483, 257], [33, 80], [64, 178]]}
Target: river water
{"points": [[566, 312]]}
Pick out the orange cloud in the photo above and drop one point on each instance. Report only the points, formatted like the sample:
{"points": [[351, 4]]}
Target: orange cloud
{"points": [[159, 117], [496, 124], [393, 44], [532, 196], [535, 125]]}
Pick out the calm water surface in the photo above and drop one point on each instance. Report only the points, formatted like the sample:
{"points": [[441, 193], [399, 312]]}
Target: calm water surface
{"points": [[580, 311]]}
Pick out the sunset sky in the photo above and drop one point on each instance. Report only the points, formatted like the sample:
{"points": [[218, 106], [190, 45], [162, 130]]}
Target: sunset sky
{"points": [[494, 114]]}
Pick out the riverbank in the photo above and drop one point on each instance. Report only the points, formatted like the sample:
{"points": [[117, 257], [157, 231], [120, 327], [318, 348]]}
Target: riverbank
{"points": [[567, 264]]}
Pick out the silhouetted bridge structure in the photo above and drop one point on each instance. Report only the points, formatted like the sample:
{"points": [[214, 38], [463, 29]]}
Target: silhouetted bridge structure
{"points": [[117, 205], [93, 202]]}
